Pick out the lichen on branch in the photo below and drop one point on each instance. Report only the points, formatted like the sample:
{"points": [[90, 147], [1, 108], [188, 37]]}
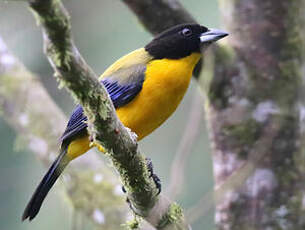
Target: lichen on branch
{"points": [[103, 125], [26, 106]]}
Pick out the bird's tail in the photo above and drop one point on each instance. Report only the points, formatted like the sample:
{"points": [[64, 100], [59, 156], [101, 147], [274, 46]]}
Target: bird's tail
{"points": [[45, 185]]}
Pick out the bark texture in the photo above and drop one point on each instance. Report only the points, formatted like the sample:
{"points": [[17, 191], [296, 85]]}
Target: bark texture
{"points": [[255, 97], [256, 113]]}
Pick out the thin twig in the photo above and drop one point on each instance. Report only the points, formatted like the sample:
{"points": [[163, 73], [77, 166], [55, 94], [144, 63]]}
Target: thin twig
{"points": [[184, 149]]}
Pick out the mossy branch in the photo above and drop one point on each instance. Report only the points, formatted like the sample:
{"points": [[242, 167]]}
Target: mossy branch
{"points": [[260, 89], [26, 106], [103, 125]]}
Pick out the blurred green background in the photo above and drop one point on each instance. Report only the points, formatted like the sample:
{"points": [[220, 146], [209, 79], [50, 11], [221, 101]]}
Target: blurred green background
{"points": [[104, 30]]}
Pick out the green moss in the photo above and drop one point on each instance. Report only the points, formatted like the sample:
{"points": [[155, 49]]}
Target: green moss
{"points": [[245, 133], [132, 224], [218, 85], [58, 31], [137, 182], [172, 216], [104, 112], [131, 166], [134, 186]]}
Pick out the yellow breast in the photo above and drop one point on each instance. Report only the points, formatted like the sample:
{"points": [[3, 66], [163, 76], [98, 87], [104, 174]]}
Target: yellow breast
{"points": [[166, 82]]}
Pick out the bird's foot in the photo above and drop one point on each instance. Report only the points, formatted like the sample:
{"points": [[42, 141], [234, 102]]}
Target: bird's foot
{"points": [[152, 175], [98, 146]]}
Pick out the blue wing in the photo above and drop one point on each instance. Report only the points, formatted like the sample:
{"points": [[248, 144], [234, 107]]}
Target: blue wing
{"points": [[121, 91], [76, 124], [122, 94]]}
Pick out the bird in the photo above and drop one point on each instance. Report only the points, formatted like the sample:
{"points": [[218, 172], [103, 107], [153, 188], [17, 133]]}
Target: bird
{"points": [[145, 87]]}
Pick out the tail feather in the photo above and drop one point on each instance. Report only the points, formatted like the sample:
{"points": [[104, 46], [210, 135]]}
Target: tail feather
{"points": [[45, 185]]}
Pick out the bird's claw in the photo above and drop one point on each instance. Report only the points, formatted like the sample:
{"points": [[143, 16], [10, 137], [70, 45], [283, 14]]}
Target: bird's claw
{"points": [[152, 175]]}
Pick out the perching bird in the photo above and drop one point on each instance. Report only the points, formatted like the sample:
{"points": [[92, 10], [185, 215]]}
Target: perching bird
{"points": [[145, 87]]}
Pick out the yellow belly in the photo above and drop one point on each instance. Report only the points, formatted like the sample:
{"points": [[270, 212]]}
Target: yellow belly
{"points": [[166, 82], [78, 147]]}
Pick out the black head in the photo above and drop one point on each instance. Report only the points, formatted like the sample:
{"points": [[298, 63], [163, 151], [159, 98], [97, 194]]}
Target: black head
{"points": [[182, 40]]}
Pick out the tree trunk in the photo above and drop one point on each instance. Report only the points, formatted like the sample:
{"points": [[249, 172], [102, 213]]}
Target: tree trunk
{"points": [[255, 115]]}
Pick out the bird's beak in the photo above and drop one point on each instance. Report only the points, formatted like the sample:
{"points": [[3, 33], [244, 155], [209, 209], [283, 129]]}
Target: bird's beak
{"points": [[212, 35]]}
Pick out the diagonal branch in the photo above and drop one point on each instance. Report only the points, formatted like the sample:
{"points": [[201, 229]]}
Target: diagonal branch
{"points": [[104, 127], [27, 107], [184, 149]]}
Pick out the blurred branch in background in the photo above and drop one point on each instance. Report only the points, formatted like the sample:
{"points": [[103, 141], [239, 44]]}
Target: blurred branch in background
{"points": [[223, 192], [256, 85], [184, 149], [27, 107], [159, 15]]}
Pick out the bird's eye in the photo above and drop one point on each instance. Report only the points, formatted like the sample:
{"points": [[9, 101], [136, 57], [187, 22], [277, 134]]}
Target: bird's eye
{"points": [[186, 32]]}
